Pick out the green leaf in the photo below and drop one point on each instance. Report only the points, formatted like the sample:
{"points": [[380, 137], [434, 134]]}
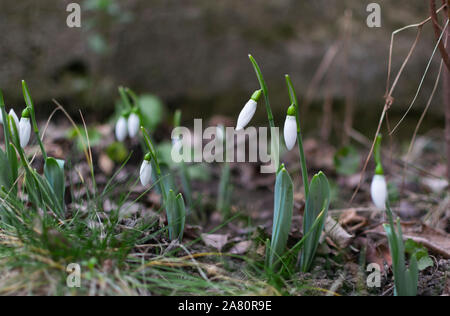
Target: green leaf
{"points": [[54, 173], [176, 215], [5, 171], [282, 217], [117, 152], [80, 137], [151, 109], [347, 161], [318, 201], [424, 263]]}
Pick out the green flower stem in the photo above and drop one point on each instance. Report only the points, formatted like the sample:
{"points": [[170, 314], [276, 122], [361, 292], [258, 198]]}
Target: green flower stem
{"points": [[294, 100], [262, 83], [125, 98], [264, 89], [29, 102], [6, 131]]}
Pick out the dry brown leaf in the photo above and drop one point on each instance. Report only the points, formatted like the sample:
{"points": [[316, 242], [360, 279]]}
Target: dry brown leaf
{"points": [[433, 239], [338, 234], [352, 220], [241, 248], [106, 164], [215, 241]]}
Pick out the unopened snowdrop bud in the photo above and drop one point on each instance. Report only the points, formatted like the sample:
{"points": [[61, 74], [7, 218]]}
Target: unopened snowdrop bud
{"points": [[24, 128], [121, 129], [248, 111], [378, 189], [134, 123], [290, 128], [146, 170], [14, 116]]}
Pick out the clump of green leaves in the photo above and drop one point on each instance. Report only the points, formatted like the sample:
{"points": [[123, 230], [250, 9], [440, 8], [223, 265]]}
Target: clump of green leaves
{"points": [[317, 193], [406, 279], [174, 203]]}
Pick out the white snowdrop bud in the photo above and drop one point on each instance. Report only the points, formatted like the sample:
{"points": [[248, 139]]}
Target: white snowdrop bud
{"points": [[134, 123], [121, 129], [24, 128], [248, 111], [14, 116], [1, 117], [379, 192], [146, 171], [290, 128]]}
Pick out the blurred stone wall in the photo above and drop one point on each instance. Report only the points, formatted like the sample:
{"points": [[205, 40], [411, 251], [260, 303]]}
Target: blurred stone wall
{"points": [[193, 53]]}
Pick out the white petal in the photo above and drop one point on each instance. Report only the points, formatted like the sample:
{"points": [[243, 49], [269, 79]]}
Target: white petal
{"points": [[246, 114], [24, 131], [121, 129], [14, 115], [146, 173], [379, 191], [290, 131], [133, 124], [1, 117]]}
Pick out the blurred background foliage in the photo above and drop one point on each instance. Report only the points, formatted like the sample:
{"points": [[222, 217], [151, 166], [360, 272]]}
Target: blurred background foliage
{"points": [[192, 54]]}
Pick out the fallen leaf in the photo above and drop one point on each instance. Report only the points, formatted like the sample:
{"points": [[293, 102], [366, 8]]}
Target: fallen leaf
{"points": [[106, 164], [241, 248], [433, 239], [338, 234], [215, 241]]}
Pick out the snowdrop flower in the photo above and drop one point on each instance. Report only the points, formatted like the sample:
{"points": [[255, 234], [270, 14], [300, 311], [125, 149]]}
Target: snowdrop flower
{"points": [[1, 117], [248, 111], [121, 129], [290, 128], [378, 189], [134, 123], [24, 128], [146, 170], [14, 116]]}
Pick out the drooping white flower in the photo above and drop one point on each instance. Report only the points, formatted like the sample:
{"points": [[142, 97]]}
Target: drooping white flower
{"points": [[1, 117], [134, 123], [146, 171], [24, 128], [290, 128], [121, 129], [24, 131], [248, 111], [379, 192], [14, 116]]}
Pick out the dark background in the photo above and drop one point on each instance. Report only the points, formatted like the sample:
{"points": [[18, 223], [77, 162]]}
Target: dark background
{"points": [[193, 54]]}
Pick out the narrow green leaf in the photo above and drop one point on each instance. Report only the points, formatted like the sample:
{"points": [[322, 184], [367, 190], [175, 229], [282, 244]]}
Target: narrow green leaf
{"points": [[54, 173], [282, 217], [176, 215], [318, 201]]}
